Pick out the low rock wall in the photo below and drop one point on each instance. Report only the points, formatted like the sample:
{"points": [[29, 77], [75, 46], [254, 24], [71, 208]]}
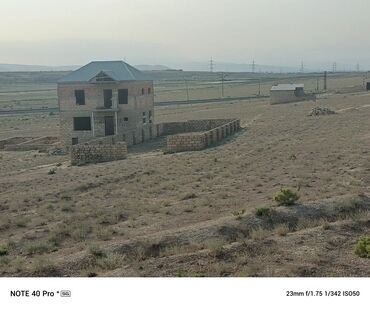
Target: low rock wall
{"points": [[195, 141], [96, 153]]}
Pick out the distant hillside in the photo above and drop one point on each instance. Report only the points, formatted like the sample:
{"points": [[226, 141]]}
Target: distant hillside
{"points": [[235, 67], [152, 67], [28, 68]]}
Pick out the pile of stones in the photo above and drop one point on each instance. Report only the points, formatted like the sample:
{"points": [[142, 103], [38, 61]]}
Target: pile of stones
{"points": [[317, 111]]}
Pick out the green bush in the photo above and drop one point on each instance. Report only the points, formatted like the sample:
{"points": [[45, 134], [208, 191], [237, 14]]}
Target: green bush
{"points": [[52, 171], [363, 247], [286, 197], [262, 211], [3, 250]]}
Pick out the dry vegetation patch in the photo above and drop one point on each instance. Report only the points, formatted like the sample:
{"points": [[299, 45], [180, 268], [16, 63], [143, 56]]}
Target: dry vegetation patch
{"points": [[199, 213]]}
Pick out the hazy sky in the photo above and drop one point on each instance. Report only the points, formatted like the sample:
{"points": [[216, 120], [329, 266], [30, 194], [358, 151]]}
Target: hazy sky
{"points": [[278, 32]]}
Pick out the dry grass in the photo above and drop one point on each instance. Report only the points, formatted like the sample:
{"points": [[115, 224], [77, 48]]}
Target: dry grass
{"points": [[281, 229], [190, 195]]}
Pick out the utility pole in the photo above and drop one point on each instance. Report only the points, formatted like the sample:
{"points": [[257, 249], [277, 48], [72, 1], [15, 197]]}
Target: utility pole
{"points": [[302, 67], [358, 67], [253, 66], [222, 83], [259, 87], [211, 65], [325, 80], [334, 66], [317, 84], [187, 90]]}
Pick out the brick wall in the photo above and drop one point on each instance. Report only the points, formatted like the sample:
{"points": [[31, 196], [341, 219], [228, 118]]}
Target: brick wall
{"points": [[195, 141], [186, 142], [97, 153], [193, 126]]}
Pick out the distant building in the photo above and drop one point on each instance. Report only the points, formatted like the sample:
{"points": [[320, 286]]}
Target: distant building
{"points": [[284, 93], [106, 98]]}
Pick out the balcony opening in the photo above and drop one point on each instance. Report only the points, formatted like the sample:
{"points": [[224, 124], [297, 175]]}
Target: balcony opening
{"points": [[108, 96], [80, 97]]}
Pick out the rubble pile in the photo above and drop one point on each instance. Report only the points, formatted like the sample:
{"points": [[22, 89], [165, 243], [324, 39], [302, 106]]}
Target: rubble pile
{"points": [[317, 111]]}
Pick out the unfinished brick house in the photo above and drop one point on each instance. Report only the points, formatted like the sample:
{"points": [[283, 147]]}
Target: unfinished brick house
{"points": [[106, 98]]}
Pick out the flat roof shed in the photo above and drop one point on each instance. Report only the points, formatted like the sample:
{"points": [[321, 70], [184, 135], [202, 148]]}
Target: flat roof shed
{"points": [[284, 93]]}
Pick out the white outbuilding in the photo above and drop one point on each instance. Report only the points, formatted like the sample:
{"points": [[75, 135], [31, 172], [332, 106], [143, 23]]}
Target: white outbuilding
{"points": [[284, 93]]}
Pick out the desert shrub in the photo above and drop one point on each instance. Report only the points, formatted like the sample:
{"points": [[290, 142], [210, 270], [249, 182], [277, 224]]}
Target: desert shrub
{"points": [[22, 222], [45, 268], [281, 229], [104, 234], [286, 197], [81, 233], [259, 234], [264, 211], [310, 223], [3, 250], [325, 225], [180, 274], [214, 244], [238, 214], [349, 206], [96, 251], [57, 236], [40, 248], [189, 196], [363, 247], [111, 261], [52, 171]]}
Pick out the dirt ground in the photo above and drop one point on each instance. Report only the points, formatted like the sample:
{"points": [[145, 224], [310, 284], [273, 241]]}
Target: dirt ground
{"points": [[194, 213]]}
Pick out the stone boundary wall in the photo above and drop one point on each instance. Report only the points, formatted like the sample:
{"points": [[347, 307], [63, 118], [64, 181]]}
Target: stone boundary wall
{"points": [[195, 141], [145, 133], [192, 126], [96, 153], [112, 147]]}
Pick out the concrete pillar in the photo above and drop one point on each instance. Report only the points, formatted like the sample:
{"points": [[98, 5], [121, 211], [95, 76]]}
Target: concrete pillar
{"points": [[116, 119], [93, 124]]}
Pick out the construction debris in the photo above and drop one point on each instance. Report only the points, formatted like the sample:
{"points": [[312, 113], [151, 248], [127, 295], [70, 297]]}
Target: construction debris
{"points": [[317, 111]]}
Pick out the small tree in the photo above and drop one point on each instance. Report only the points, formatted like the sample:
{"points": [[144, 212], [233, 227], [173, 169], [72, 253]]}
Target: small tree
{"points": [[3, 250], [363, 247], [286, 197]]}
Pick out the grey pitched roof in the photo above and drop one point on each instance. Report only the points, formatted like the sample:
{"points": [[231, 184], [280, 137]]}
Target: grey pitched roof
{"points": [[287, 87], [117, 70]]}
